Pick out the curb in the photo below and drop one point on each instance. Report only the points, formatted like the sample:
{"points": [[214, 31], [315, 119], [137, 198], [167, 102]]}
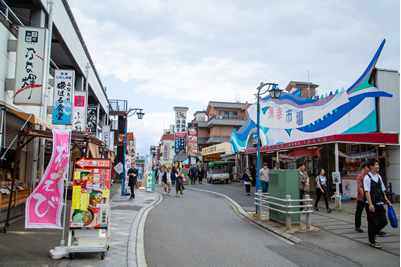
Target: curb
{"points": [[239, 210], [134, 255]]}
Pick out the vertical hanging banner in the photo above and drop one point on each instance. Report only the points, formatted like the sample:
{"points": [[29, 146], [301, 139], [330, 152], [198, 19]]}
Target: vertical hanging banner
{"points": [[63, 96], [91, 123], [91, 194], [111, 141], [180, 128], [44, 205], [106, 136], [79, 111], [29, 66], [192, 139]]}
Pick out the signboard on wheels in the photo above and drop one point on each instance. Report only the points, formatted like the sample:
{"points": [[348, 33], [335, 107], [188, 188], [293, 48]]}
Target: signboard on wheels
{"points": [[90, 194]]}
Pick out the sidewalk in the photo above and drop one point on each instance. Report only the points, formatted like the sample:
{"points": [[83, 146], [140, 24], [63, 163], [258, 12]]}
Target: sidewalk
{"points": [[126, 231], [333, 232]]}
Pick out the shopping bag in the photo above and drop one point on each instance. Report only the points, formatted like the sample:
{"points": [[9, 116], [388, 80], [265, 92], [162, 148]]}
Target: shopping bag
{"points": [[392, 217]]}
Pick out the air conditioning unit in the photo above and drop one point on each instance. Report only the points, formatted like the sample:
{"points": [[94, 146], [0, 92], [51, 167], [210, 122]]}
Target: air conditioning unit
{"points": [[244, 118], [219, 117]]}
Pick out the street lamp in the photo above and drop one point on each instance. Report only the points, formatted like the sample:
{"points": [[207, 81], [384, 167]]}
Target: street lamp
{"points": [[275, 93], [129, 113]]}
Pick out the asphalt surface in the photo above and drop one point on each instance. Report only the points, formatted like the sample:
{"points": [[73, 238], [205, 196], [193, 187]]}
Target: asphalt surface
{"points": [[202, 229], [30, 247]]}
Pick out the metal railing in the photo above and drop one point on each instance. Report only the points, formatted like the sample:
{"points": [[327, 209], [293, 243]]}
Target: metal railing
{"points": [[263, 198], [118, 105], [10, 16]]}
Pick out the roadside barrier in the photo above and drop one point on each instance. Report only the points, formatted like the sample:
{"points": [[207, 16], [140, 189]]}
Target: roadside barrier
{"points": [[263, 198]]}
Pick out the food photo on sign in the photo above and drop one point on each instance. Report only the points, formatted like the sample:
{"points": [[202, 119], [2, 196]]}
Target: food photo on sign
{"points": [[90, 197]]}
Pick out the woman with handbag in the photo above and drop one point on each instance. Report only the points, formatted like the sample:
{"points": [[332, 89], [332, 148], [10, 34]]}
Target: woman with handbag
{"points": [[321, 189], [179, 182], [247, 178]]}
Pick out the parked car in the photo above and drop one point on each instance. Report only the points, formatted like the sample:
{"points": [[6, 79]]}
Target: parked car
{"points": [[217, 173]]}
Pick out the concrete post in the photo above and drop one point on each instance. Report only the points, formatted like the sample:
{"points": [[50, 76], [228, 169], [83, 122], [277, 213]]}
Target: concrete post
{"points": [[258, 204], [288, 209], [308, 215]]}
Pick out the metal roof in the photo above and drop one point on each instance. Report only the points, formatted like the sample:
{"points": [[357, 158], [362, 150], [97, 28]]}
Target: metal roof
{"points": [[227, 104], [232, 122]]}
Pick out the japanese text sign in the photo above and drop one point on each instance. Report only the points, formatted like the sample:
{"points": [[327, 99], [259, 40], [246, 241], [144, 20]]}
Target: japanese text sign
{"points": [[79, 111], [91, 123], [91, 193], [63, 96], [44, 205], [29, 66]]}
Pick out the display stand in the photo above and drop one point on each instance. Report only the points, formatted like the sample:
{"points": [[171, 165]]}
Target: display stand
{"points": [[90, 211]]}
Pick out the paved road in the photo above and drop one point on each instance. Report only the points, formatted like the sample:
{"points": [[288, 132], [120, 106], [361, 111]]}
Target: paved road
{"points": [[202, 229], [30, 247]]}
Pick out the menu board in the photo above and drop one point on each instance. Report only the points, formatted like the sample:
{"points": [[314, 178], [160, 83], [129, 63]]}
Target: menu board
{"points": [[90, 194]]}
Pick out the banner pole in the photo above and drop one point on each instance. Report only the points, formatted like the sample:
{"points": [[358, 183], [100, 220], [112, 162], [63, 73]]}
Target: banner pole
{"points": [[62, 250]]}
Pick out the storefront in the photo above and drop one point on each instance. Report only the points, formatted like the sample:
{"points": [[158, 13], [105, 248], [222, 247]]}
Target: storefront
{"points": [[335, 131], [214, 153]]}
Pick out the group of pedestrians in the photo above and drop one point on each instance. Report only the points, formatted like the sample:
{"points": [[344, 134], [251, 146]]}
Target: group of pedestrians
{"points": [[171, 177], [196, 173]]}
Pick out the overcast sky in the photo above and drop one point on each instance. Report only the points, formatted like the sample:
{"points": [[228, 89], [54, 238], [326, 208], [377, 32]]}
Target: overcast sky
{"points": [[158, 54]]}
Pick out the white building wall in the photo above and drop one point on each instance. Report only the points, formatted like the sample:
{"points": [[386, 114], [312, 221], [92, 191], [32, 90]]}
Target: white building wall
{"points": [[64, 25]]}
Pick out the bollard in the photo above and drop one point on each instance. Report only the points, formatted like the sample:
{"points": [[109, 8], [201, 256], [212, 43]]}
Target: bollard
{"points": [[287, 215], [259, 202], [308, 215]]}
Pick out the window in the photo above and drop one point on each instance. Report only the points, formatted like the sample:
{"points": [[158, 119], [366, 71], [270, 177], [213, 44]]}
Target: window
{"points": [[229, 114]]}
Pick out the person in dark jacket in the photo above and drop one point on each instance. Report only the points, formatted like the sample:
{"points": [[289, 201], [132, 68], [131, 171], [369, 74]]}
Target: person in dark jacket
{"points": [[247, 179], [168, 176], [193, 172], [179, 185], [253, 173], [133, 177], [201, 174]]}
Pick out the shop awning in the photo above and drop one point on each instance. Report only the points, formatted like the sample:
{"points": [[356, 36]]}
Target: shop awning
{"points": [[34, 119], [301, 152], [363, 138], [214, 153]]}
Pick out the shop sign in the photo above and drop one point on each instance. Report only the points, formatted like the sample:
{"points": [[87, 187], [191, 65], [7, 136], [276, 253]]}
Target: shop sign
{"points": [[336, 177], [180, 122], [62, 96], [29, 66], [90, 194], [165, 151], [106, 135], [92, 118], [192, 139], [158, 153], [111, 141], [79, 111], [44, 205]]}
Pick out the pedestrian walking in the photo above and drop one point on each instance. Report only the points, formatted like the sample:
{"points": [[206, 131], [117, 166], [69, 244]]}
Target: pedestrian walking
{"points": [[167, 178], [201, 174], [179, 185], [193, 173], [247, 179], [303, 182], [360, 205], [173, 176], [160, 173], [264, 177], [140, 169], [253, 173], [375, 199], [132, 179], [321, 189]]}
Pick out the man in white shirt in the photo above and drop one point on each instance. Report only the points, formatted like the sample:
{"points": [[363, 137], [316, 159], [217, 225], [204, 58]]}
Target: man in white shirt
{"points": [[375, 197], [264, 177]]}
